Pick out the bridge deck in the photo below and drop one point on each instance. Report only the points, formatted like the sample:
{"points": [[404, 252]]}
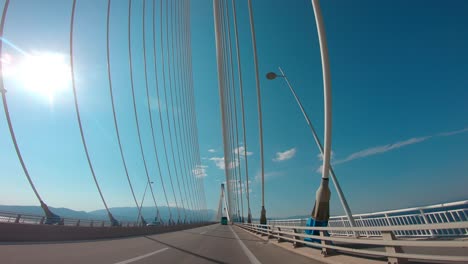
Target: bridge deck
{"points": [[209, 244]]}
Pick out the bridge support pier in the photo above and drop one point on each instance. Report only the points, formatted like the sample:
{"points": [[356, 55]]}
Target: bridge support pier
{"points": [[51, 218], [263, 219], [279, 234], [143, 221], [113, 221], [297, 244]]}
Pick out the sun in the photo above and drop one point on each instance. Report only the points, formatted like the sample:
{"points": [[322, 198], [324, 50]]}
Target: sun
{"points": [[46, 74]]}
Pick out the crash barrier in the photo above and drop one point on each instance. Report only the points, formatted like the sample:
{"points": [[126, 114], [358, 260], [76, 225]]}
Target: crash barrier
{"points": [[388, 241], [434, 214]]}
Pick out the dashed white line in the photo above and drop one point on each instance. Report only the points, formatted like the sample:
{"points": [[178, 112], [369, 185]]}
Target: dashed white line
{"points": [[142, 256], [248, 253], [204, 232]]}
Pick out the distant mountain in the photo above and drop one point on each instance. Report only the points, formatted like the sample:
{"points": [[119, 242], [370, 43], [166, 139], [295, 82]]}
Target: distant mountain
{"points": [[37, 210], [130, 213], [291, 217], [120, 213]]}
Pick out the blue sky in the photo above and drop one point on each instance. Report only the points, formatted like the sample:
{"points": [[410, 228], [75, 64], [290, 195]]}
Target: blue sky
{"points": [[399, 104]]}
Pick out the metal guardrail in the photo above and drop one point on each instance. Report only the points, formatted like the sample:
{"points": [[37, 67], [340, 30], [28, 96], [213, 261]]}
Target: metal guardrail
{"points": [[388, 241], [433, 214], [10, 217]]}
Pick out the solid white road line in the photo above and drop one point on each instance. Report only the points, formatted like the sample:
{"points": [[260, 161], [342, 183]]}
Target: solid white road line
{"points": [[142, 256], [247, 252]]}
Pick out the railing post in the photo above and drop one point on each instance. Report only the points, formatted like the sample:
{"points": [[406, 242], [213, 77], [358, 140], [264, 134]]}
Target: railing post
{"points": [[387, 219], [102, 224], [78, 222], [344, 222], [269, 235], [426, 221], [91, 224], [389, 236], [364, 225], [466, 219], [42, 220], [18, 217], [279, 234], [295, 243], [325, 251], [263, 230]]}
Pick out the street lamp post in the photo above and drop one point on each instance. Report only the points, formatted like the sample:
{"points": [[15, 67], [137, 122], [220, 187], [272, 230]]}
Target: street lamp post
{"points": [[321, 212], [272, 76], [141, 205]]}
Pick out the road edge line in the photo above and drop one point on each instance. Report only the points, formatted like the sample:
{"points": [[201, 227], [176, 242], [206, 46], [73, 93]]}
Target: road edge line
{"points": [[247, 252], [142, 256]]}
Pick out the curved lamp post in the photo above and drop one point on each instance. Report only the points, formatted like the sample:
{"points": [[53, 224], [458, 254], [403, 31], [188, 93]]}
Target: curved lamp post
{"points": [[344, 203], [321, 211]]}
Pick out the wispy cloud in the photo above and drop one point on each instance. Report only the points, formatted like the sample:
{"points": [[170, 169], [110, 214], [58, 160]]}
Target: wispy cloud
{"points": [[241, 151], [268, 175], [288, 154], [385, 148], [238, 186], [243, 187], [332, 156], [212, 150], [156, 104], [382, 149], [451, 133], [320, 157], [219, 162], [200, 171]]}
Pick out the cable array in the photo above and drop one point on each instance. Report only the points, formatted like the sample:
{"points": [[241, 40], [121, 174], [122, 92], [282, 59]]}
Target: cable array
{"points": [[170, 52], [230, 92], [111, 93]]}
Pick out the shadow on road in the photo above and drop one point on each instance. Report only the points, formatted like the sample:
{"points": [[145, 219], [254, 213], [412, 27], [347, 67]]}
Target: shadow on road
{"points": [[232, 238], [186, 251]]}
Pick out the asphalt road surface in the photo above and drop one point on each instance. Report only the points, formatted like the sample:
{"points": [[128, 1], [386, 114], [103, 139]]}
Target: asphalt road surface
{"points": [[208, 244]]}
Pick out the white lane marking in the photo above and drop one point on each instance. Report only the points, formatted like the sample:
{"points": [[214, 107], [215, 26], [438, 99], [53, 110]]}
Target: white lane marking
{"points": [[204, 232], [142, 256], [247, 252]]}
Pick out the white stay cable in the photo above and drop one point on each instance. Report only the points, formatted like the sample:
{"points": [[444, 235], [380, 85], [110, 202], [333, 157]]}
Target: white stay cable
{"points": [[259, 100], [221, 83], [239, 70]]}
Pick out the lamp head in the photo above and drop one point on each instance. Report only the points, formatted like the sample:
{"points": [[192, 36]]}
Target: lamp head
{"points": [[271, 76]]}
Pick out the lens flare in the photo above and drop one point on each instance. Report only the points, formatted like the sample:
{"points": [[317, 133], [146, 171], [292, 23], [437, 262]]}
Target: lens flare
{"points": [[46, 74]]}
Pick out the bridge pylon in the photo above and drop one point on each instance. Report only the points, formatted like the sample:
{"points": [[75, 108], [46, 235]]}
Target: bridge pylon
{"points": [[51, 218], [113, 221], [143, 221], [222, 205]]}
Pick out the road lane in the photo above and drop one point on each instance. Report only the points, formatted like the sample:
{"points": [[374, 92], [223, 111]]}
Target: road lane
{"points": [[99, 251], [266, 252], [247, 252], [208, 244], [216, 245], [142, 256]]}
